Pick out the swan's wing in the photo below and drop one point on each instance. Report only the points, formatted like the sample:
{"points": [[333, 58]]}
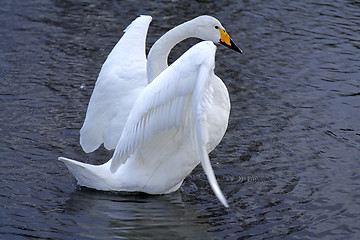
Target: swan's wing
{"points": [[202, 99], [120, 81], [173, 100]]}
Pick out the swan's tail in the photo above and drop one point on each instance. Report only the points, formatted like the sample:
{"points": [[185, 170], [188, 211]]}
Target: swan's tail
{"points": [[86, 174]]}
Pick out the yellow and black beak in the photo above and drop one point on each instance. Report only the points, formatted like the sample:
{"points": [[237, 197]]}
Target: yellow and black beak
{"points": [[226, 40]]}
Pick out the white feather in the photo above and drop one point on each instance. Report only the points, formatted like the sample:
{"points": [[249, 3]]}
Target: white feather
{"points": [[160, 103], [163, 130], [121, 79]]}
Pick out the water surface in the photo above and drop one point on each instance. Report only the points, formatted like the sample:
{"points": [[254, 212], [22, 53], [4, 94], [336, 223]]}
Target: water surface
{"points": [[289, 163]]}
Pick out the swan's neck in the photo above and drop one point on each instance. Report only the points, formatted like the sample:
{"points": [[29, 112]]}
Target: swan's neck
{"points": [[158, 56]]}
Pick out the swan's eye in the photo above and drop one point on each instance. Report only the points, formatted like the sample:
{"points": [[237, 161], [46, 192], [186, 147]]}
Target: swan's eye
{"points": [[216, 27]]}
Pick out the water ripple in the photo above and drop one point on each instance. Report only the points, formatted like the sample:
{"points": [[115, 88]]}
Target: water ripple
{"points": [[288, 163]]}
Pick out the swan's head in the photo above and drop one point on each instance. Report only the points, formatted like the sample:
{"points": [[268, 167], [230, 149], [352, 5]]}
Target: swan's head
{"points": [[210, 29]]}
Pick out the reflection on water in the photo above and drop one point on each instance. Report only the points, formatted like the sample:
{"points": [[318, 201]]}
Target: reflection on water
{"points": [[288, 164], [135, 216]]}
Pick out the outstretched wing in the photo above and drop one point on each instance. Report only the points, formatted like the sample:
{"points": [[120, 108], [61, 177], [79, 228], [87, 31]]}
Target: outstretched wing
{"points": [[120, 81], [177, 98]]}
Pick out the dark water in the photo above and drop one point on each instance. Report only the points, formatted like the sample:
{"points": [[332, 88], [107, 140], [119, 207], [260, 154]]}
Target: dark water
{"points": [[289, 163]]}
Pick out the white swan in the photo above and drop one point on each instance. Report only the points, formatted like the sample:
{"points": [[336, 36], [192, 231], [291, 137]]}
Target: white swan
{"points": [[162, 121]]}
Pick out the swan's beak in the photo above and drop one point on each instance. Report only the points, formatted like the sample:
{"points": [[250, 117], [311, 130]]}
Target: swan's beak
{"points": [[226, 41]]}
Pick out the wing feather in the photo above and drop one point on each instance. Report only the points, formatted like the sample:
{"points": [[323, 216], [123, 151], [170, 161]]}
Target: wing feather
{"points": [[177, 98], [120, 81], [200, 102], [166, 102]]}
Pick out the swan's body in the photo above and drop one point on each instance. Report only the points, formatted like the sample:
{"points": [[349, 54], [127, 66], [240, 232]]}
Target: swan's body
{"points": [[162, 130]]}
